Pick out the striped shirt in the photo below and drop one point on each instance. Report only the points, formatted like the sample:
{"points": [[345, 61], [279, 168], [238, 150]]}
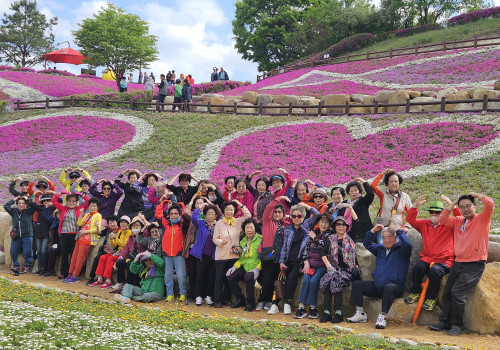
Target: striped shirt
{"points": [[69, 223]]}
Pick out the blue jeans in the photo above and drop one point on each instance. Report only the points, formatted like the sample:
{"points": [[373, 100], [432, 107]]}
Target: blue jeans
{"points": [[180, 271], [24, 243], [310, 287], [41, 247]]}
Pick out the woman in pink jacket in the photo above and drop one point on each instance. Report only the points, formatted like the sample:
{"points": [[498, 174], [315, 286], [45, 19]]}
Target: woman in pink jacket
{"points": [[244, 196]]}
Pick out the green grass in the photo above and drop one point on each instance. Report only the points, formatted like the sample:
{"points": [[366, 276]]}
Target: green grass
{"points": [[489, 26]]}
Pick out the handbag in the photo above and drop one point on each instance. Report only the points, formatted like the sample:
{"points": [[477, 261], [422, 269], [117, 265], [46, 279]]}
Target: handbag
{"points": [[14, 235], [267, 254], [280, 286], [356, 273]]}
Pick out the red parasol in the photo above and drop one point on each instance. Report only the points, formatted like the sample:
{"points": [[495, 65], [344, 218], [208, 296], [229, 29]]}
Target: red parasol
{"points": [[67, 55]]}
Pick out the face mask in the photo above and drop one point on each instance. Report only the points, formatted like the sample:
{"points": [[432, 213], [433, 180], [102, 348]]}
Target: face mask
{"points": [[136, 230], [212, 198]]}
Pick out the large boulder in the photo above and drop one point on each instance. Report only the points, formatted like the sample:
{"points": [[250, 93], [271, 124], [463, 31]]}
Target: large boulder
{"points": [[358, 108], [273, 111], [429, 93], [494, 238], [483, 306], [479, 93], [230, 102], [338, 99], [493, 252], [250, 109], [399, 96], [467, 107], [359, 98], [92, 254], [366, 262], [250, 96], [287, 99], [416, 241], [446, 92], [265, 99], [217, 101], [496, 86], [426, 108], [2, 257], [461, 95], [208, 97], [414, 94], [5, 227], [383, 96]]}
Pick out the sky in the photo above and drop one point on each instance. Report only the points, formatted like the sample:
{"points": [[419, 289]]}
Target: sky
{"points": [[193, 35]]}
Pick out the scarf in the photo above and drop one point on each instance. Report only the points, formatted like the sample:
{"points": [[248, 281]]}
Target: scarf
{"points": [[154, 244], [280, 229], [230, 222], [348, 250]]}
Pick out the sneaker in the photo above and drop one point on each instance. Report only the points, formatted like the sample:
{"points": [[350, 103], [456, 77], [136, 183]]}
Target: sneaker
{"points": [[117, 286], [440, 326], [106, 285], [249, 307], [218, 305], [96, 283], [238, 303], [26, 269], [273, 310], [15, 271], [313, 313], [70, 279], [190, 300], [182, 298], [61, 277], [199, 301], [325, 318], [90, 281], [358, 317], [301, 313], [410, 299], [429, 304], [170, 298], [380, 322], [456, 330], [40, 271], [49, 273], [260, 306], [208, 301], [120, 298], [268, 305], [287, 309], [337, 318]]}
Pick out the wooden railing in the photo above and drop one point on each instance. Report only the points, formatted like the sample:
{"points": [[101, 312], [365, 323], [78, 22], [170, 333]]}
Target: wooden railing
{"points": [[318, 110], [413, 50]]}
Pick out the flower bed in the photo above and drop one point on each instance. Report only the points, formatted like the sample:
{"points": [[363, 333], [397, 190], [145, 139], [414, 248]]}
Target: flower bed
{"points": [[474, 16], [418, 29], [56, 71]]}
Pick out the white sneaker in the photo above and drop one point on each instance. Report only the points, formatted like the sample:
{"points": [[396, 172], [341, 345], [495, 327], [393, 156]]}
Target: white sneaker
{"points": [[273, 310], [268, 305], [117, 286], [260, 306], [380, 322], [358, 317], [208, 301], [120, 298], [287, 309], [199, 301]]}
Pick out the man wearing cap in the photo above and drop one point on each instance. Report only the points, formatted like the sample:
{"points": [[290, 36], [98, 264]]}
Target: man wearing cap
{"points": [[184, 192], [471, 235], [74, 175], [392, 262], [23, 186], [437, 248]]}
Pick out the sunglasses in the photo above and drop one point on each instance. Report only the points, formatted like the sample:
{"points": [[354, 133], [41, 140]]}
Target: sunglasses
{"points": [[74, 177], [433, 212], [106, 189], [42, 187], [278, 212], [296, 216], [318, 196], [340, 224]]}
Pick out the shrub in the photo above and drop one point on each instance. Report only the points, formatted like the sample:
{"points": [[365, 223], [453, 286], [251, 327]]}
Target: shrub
{"points": [[24, 69], [136, 96], [88, 76], [414, 30], [55, 71], [474, 16], [6, 68]]}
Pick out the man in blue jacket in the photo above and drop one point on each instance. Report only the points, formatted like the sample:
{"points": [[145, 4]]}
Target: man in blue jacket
{"points": [[393, 260]]}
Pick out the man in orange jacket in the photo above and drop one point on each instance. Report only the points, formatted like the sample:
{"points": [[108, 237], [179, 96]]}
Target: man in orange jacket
{"points": [[470, 232]]}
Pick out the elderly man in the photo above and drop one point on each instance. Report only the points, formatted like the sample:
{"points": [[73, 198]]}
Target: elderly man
{"points": [[437, 249], [470, 232], [393, 260]]}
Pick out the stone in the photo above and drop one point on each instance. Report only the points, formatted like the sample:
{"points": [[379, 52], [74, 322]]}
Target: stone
{"points": [[496, 86], [374, 336], [285, 101], [2, 258], [446, 92], [479, 93], [426, 108], [416, 241], [407, 342], [492, 238], [230, 102], [399, 96], [414, 94], [429, 93], [246, 109], [366, 262], [200, 108], [298, 110], [483, 305], [368, 101], [217, 101], [169, 99], [428, 344], [5, 229], [92, 254], [196, 99], [383, 96], [466, 107], [273, 111], [312, 102], [250, 96], [493, 252], [449, 347], [393, 340], [357, 109], [359, 97], [208, 97], [264, 99], [338, 99], [461, 95]]}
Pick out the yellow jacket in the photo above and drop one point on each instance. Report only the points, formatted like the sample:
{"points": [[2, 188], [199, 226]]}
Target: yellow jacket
{"points": [[95, 226], [121, 239], [67, 183]]}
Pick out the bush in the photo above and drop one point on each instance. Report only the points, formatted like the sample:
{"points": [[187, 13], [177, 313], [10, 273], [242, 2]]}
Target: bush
{"points": [[414, 30], [88, 76], [56, 72], [24, 69], [474, 16], [136, 96], [213, 87], [6, 68]]}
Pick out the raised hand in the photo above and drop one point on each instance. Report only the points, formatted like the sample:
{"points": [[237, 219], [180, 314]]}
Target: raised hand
{"points": [[420, 200], [360, 179]]}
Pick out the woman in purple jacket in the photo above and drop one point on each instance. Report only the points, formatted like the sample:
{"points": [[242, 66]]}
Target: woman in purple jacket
{"points": [[107, 197]]}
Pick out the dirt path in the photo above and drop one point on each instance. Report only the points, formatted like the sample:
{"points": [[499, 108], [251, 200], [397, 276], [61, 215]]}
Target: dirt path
{"points": [[395, 328]]}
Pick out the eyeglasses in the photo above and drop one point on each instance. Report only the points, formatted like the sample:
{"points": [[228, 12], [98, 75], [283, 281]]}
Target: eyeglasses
{"points": [[318, 196], [106, 189], [468, 206], [433, 212], [340, 224], [296, 216], [278, 212]]}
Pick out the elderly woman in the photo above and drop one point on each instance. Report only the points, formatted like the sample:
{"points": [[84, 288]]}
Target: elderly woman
{"points": [[248, 266], [393, 202], [294, 241], [147, 182], [317, 199], [262, 195], [108, 196], [133, 202], [243, 196], [361, 205], [297, 193], [340, 262], [335, 207], [226, 238], [229, 181], [273, 227]]}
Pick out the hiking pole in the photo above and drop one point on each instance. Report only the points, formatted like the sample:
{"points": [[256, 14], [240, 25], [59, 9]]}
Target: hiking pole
{"points": [[421, 299]]}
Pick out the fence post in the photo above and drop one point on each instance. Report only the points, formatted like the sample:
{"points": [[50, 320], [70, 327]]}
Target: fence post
{"points": [[391, 53], [347, 107], [329, 60], [485, 103], [131, 104], [407, 107], [18, 104], [444, 45], [158, 105], [261, 108], [475, 41], [443, 104], [258, 78], [416, 49], [347, 58], [375, 109], [185, 106], [290, 108], [320, 108], [47, 103], [235, 108], [367, 55], [209, 107], [72, 102]]}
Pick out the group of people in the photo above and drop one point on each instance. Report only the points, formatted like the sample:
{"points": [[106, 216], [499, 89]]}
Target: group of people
{"points": [[219, 74], [253, 229]]}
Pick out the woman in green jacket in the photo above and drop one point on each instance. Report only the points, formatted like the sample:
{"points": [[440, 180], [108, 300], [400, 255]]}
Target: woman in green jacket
{"points": [[247, 267], [150, 268]]}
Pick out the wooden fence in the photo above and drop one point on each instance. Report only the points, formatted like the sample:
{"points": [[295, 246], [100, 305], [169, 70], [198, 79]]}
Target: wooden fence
{"points": [[485, 105], [414, 50]]}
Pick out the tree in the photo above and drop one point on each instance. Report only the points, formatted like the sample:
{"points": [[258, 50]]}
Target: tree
{"points": [[25, 34], [260, 28], [117, 40], [430, 11]]}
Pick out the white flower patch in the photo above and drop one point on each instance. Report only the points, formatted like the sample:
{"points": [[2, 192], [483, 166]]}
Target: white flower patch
{"points": [[361, 79], [21, 92], [358, 129], [143, 130]]}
